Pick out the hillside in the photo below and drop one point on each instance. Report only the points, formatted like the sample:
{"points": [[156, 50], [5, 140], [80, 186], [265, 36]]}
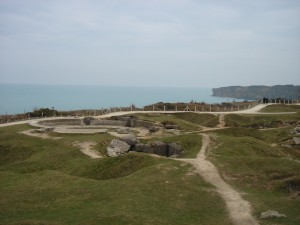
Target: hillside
{"points": [[256, 92], [47, 180]]}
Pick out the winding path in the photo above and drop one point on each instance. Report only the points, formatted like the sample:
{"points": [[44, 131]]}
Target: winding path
{"points": [[255, 110], [239, 209]]}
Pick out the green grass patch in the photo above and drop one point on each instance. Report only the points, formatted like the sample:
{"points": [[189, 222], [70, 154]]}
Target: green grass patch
{"points": [[207, 120], [245, 146], [183, 125], [235, 120], [269, 135], [268, 174], [281, 108], [54, 183], [159, 194], [110, 168]]}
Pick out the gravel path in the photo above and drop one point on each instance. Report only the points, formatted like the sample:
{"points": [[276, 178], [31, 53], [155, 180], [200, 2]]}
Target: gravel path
{"points": [[221, 124], [239, 209], [254, 110]]}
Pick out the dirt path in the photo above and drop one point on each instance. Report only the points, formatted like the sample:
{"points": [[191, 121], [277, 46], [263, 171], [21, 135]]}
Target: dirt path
{"points": [[239, 209], [255, 110], [221, 121], [87, 148]]}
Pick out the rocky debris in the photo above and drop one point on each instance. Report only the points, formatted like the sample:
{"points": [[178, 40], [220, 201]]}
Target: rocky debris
{"points": [[131, 121], [46, 129], [117, 147], [159, 148], [295, 131], [174, 149], [286, 145], [130, 139], [296, 140], [123, 130], [143, 123], [153, 129], [87, 120], [140, 147], [271, 214], [171, 126]]}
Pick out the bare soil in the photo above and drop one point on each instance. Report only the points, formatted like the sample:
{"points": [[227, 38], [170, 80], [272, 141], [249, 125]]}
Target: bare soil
{"points": [[87, 149]]}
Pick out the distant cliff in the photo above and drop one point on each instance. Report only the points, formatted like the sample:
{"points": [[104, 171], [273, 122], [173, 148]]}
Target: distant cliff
{"points": [[258, 92]]}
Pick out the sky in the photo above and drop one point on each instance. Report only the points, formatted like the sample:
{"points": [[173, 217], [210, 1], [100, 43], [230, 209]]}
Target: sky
{"points": [[175, 43]]}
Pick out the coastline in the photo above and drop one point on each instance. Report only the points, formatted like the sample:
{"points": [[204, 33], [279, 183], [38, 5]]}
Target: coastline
{"points": [[16, 98]]}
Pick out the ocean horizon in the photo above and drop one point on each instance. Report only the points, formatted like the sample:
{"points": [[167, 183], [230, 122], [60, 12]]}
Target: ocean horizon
{"points": [[20, 98]]}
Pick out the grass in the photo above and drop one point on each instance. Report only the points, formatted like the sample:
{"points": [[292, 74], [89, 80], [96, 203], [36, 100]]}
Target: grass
{"points": [[235, 120], [207, 120], [269, 135], [141, 198], [183, 125], [186, 121], [269, 174], [281, 108], [46, 181]]}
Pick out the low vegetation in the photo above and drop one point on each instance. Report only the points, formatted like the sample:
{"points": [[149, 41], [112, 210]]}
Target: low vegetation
{"points": [[46, 181], [255, 163], [51, 182], [261, 121], [207, 120], [282, 108], [183, 125]]}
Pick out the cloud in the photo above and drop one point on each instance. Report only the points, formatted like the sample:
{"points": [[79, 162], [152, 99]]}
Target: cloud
{"points": [[105, 41]]}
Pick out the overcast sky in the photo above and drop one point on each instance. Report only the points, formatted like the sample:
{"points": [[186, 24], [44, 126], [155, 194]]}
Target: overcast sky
{"points": [[191, 43]]}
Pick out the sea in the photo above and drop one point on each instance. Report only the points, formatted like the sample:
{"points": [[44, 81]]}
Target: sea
{"points": [[22, 98]]}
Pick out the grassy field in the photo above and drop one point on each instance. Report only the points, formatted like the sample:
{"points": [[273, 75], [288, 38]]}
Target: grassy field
{"points": [[269, 174], [207, 120], [50, 182], [255, 163], [255, 121], [47, 181], [236, 120], [282, 108], [183, 125]]}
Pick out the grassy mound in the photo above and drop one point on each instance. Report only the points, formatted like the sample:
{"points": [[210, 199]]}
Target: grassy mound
{"points": [[183, 125], [207, 120], [281, 108], [53, 183], [111, 168], [253, 161], [261, 121]]}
